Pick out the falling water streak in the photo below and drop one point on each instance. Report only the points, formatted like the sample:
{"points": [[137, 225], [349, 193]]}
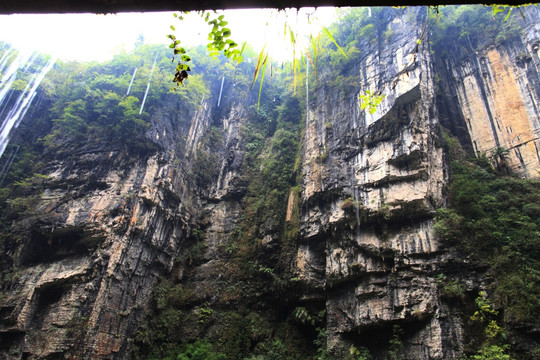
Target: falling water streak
{"points": [[220, 91], [15, 108], [30, 61], [25, 109], [356, 210], [148, 86], [307, 91], [4, 59], [182, 200], [356, 204], [131, 82], [6, 103], [354, 107], [22, 104], [11, 73], [7, 165], [307, 120]]}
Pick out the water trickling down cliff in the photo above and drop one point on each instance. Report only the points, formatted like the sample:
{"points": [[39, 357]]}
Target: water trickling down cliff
{"points": [[244, 226]]}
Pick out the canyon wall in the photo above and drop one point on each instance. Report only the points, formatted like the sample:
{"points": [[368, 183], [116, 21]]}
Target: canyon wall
{"points": [[494, 94], [349, 246], [368, 218]]}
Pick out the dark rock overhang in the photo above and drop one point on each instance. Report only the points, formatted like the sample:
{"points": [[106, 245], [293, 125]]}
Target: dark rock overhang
{"points": [[114, 6]]}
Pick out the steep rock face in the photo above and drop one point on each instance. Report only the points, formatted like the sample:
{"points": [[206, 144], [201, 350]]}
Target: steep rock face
{"points": [[494, 94], [371, 182], [356, 239], [108, 224]]}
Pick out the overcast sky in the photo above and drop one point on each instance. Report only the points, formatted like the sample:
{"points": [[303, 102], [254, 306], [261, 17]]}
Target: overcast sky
{"points": [[97, 37]]}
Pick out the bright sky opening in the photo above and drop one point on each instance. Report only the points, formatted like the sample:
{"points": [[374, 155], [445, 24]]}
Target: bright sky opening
{"points": [[86, 37]]}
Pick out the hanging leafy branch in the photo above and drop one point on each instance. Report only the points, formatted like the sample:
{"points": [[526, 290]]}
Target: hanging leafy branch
{"points": [[370, 100], [219, 44]]}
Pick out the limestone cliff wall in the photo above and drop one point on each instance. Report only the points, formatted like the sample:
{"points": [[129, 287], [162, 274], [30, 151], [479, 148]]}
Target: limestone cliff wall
{"points": [[107, 226], [367, 223], [495, 91], [356, 240]]}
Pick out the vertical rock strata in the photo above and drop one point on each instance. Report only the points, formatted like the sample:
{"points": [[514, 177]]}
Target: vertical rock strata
{"points": [[496, 92], [371, 183], [110, 225]]}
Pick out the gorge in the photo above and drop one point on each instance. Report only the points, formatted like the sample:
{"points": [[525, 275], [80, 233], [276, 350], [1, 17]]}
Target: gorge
{"points": [[140, 222]]}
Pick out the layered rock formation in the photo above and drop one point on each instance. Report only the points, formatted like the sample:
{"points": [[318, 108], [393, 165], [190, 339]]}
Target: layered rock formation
{"points": [[493, 89], [370, 201], [108, 224], [354, 238]]}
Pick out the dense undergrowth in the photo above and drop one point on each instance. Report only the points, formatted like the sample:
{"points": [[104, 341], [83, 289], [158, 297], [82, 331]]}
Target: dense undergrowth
{"points": [[494, 221]]}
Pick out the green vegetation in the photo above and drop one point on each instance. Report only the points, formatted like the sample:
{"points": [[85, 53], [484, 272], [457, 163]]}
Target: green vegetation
{"points": [[359, 353], [460, 30], [219, 43], [495, 220], [254, 311], [270, 135], [452, 289], [493, 347], [396, 349]]}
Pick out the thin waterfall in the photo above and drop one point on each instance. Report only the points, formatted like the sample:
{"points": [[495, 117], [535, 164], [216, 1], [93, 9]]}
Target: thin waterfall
{"points": [[220, 91], [148, 86], [11, 74], [131, 82], [6, 103], [354, 107], [307, 90], [22, 104], [356, 197], [7, 165], [4, 59], [29, 63]]}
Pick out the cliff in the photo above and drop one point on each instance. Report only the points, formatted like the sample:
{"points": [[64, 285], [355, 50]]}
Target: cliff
{"points": [[496, 79], [263, 230]]}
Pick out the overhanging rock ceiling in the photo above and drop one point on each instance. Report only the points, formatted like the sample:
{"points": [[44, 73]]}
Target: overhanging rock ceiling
{"points": [[113, 6]]}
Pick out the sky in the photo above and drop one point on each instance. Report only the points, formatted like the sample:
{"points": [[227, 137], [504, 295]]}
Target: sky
{"points": [[86, 37]]}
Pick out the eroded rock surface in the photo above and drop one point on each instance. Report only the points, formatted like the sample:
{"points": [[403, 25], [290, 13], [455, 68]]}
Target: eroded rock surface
{"points": [[355, 237]]}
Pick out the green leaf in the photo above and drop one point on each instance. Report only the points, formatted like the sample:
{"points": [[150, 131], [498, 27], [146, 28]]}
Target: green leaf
{"points": [[508, 15], [497, 9], [223, 23], [325, 30], [257, 67], [173, 28], [265, 62]]}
